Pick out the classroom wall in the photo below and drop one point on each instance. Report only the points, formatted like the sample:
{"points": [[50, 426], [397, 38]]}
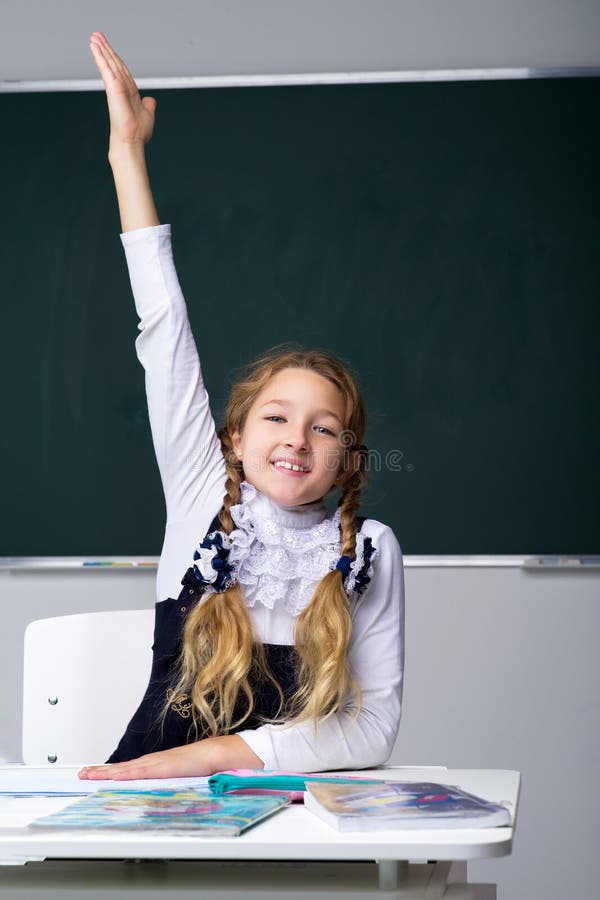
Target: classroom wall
{"points": [[202, 37], [502, 671]]}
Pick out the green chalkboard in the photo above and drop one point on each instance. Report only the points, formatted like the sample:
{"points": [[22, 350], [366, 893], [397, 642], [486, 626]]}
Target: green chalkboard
{"points": [[442, 238]]}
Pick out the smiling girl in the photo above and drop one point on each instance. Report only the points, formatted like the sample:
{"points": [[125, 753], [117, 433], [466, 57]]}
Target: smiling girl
{"points": [[282, 648]]}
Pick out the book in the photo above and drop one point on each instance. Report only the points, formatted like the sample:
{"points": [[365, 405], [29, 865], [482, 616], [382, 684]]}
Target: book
{"points": [[175, 811], [395, 804]]}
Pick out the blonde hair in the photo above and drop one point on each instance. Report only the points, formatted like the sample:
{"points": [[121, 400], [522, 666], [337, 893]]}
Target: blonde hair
{"points": [[220, 648]]}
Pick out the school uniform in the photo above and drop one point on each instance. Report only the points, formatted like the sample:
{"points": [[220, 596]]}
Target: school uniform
{"points": [[280, 554]]}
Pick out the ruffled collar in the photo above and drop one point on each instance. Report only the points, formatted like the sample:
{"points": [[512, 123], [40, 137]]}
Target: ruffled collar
{"points": [[254, 505], [279, 554], [298, 528]]}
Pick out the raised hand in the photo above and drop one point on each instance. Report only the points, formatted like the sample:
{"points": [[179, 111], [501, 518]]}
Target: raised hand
{"points": [[131, 126], [131, 117]]}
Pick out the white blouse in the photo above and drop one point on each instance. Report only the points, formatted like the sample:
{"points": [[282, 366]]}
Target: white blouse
{"points": [[193, 476]]}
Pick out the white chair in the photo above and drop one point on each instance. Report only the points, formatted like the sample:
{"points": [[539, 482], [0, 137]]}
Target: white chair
{"points": [[84, 676]]}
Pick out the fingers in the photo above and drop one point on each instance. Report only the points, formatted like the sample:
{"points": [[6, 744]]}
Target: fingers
{"points": [[162, 764], [93, 773], [109, 62], [103, 58], [144, 767], [100, 45]]}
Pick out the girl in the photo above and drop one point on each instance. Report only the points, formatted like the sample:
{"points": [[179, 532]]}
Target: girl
{"points": [[284, 649]]}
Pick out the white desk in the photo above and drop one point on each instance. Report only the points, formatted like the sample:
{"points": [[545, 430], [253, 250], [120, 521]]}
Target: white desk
{"points": [[295, 844]]}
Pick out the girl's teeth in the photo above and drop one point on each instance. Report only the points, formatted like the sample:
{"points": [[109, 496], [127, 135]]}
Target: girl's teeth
{"points": [[285, 465]]}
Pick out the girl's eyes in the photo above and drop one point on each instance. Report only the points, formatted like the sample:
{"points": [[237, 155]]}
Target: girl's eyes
{"points": [[321, 429]]}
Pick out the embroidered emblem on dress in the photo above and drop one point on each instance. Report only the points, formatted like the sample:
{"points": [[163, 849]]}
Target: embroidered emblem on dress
{"points": [[180, 703]]}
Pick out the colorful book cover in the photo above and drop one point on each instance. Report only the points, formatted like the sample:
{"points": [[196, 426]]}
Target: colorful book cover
{"points": [[189, 811], [401, 805]]}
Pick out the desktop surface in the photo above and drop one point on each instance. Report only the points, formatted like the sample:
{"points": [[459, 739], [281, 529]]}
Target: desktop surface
{"points": [[292, 834]]}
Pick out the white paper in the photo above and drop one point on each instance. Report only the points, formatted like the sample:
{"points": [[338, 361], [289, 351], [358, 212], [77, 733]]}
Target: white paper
{"points": [[63, 781]]}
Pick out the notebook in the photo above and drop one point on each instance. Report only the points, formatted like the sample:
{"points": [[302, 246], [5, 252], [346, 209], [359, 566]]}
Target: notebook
{"points": [[178, 811], [395, 805]]}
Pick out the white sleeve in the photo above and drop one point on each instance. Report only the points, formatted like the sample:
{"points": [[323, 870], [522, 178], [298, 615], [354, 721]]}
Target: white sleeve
{"points": [[188, 451], [376, 657], [187, 448]]}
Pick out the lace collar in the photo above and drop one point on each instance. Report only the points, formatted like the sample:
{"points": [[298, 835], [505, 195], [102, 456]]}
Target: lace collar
{"points": [[299, 527], [281, 553]]}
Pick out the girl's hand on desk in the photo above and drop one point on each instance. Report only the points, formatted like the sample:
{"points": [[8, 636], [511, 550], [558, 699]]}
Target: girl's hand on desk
{"points": [[131, 117], [198, 759]]}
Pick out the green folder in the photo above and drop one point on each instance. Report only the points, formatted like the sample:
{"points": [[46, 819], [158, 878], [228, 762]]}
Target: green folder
{"points": [[224, 782]]}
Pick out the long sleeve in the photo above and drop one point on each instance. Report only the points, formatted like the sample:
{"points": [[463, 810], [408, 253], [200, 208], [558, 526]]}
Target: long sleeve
{"points": [[376, 657], [186, 445]]}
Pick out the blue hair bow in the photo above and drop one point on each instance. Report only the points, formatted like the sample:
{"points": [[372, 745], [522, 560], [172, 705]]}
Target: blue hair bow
{"points": [[361, 578], [214, 558]]}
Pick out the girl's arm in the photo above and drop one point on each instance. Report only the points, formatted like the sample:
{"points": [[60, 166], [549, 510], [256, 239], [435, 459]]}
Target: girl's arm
{"points": [[376, 659], [202, 758], [187, 448]]}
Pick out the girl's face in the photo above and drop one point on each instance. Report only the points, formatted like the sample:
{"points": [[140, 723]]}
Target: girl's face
{"points": [[290, 446]]}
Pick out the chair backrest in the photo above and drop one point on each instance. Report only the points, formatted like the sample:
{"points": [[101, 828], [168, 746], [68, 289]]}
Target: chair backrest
{"points": [[84, 676]]}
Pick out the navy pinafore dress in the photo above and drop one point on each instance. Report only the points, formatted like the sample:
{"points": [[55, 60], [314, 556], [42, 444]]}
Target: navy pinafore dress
{"points": [[148, 731]]}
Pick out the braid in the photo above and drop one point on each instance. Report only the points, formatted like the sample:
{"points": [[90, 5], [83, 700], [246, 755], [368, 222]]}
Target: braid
{"points": [[348, 506], [235, 475], [324, 627], [219, 647]]}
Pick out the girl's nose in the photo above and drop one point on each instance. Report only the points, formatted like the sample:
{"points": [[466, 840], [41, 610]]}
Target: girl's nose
{"points": [[298, 439]]}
